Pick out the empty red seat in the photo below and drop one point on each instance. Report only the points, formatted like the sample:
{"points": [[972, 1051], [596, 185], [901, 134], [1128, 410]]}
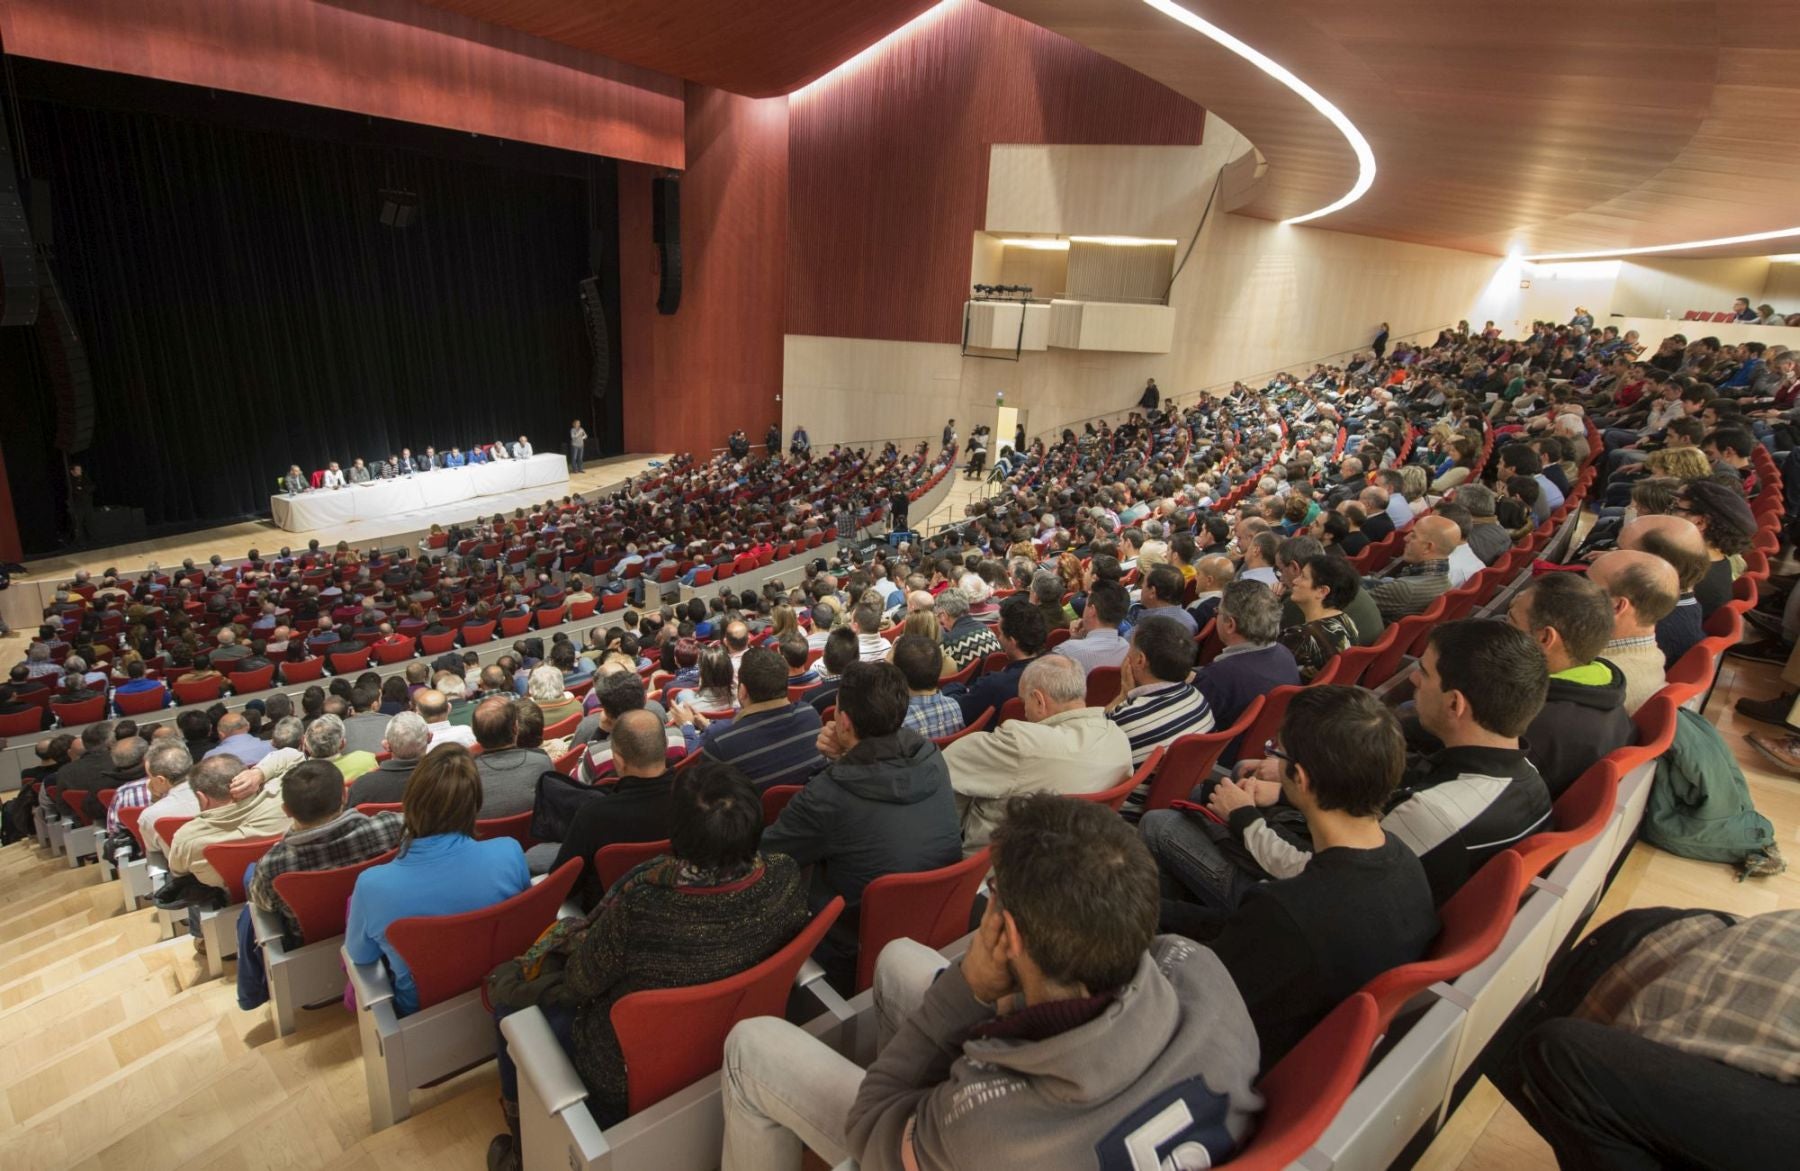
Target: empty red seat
{"points": [[349, 662], [244, 682], [393, 652], [551, 617], [305, 671], [1102, 686], [84, 711]]}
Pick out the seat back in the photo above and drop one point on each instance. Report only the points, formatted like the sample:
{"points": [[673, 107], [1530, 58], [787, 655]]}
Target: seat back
{"points": [[1102, 686], [231, 859], [393, 652], [166, 828], [86, 711], [930, 906], [966, 675], [1012, 709], [137, 703], [563, 727], [75, 801], [613, 862], [1389, 649], [980, 722], [129, 819], [1116, 796], [476, 633], [775, 798], [1267, 722], [995, 663], [516, 827], [320, 898], [304, 671], [1308, 1086], [1190, 759], [1474, 920], [243, 682], [673, 1037], [23, 723], [452, 954], [1578, 815], [349, 662]]}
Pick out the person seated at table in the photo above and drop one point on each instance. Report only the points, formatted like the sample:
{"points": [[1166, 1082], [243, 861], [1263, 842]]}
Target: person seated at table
{"points": [[498, 450], [522, 449], [358, 473], [441, 868], [333, 477], [295, 481], [390, 468], [408, 465], [455, 459], [478, 455]]}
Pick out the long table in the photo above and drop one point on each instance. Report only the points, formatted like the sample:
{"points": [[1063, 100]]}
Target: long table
{"points": [[380, 498]]}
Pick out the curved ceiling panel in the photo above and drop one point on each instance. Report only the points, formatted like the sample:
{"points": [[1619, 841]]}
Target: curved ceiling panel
{"points": [[1550, 127], [759, 48]]}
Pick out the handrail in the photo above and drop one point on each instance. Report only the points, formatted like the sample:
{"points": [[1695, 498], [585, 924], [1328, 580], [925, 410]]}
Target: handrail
{"points": [[1178, 397]]}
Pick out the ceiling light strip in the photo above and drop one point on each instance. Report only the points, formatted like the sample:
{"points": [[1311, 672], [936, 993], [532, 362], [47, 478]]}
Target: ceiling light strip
{"points": [[1365, 155], [1716, 242]]}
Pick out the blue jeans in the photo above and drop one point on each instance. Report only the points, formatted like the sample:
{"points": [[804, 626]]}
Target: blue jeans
{"points": [[252, 976], [562, 1024], [1186, 852]]}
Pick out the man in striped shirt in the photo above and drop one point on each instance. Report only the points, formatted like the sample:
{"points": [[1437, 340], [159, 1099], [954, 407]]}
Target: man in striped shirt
{"points": [[1156, 704], [773, 741]]}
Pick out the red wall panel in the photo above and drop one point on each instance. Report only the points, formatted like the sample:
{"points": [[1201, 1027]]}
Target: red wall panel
{"points": [[390, 58], [715, 365], [888, 161]]}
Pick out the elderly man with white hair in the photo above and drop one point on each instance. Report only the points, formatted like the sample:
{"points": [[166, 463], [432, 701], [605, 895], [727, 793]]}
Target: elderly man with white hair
{"points": [[325, 741], [406, 741], [544, 687], [1061, 746]]}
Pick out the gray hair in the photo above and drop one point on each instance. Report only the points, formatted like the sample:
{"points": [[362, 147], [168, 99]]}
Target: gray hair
{"points": [[74, 665], [1057, 676], [38, 652], [212, 776], [168, 758], [407, 736], [129, 753], [1477, 498], [288, 732], [1298, 549], [451, 685], [325, 738], [1253, 608], [952, 603], [1046, 587], [544, 684]]}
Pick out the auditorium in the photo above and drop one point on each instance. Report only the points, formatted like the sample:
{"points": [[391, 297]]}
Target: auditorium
{"points": [[1017, 465]]}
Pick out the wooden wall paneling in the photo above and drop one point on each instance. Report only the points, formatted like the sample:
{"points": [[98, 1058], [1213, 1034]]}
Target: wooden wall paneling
{"points": [[889, 162], [1120, 272], [715, 365], [758, 48], [389, 58]]}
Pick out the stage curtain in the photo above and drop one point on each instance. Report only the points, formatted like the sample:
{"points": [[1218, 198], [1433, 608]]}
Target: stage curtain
{"points": [[244, 308]]}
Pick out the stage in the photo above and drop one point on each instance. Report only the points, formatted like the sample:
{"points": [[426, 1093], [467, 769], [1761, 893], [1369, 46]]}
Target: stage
{"points": [[422, 493], [23, 604]]}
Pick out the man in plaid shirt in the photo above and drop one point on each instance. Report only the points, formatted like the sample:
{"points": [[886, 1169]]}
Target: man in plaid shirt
{"points": [[325, 835], [929, 712]]}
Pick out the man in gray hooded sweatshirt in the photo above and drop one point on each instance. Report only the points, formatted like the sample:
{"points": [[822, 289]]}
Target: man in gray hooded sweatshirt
{"points": [[1069, 1035]]}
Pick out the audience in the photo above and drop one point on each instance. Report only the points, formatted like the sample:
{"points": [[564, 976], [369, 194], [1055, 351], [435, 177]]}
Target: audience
{"points": [[1097, 642], [1252, 663], [929, 712], [441, 869], [771, 740], [408, 740], [1023, 635], [1156, 704], [1320, 591], [193, 880], [1678, 542], [1067, 1021], [1424, 577], [1642, 589], [1061, 746]]}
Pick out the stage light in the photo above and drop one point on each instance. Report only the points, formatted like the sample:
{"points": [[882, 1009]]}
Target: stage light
{"points": [[1040, 243], [1365, 154]]}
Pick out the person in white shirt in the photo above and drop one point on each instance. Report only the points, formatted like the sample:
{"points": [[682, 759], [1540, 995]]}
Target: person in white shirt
{"points": [[434, 708], [1259, 559], [522, 449], [1061, 746], [1465, 563], [870, 646], [333, 478], [1097, 643], [498, 450], [167, 765]]}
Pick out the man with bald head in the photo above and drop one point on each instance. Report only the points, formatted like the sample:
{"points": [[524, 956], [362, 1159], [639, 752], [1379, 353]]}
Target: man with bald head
{"points": [[434, 708], [1677, 541], [1643, 589], [1424, 577], [1212, 574], [634, 809], [1061, 746]]}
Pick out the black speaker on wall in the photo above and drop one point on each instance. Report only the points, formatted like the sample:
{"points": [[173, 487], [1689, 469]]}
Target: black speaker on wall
{"points": [[665, 230], [18, 259]]}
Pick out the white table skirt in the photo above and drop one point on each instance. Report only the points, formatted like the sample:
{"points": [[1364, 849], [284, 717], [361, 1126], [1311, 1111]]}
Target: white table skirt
{"points": [[378, 498]]}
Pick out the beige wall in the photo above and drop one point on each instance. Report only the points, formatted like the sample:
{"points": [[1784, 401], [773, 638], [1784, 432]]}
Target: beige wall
{"points": [[1648, 287]]}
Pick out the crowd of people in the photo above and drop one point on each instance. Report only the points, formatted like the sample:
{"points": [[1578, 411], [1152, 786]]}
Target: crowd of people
{"points": [[334, 476], [1132, 973]]}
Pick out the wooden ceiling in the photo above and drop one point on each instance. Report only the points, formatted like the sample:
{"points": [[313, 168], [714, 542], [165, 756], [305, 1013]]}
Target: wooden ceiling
{"points": [[759, 48], [1555, 127], [1549, 126]]}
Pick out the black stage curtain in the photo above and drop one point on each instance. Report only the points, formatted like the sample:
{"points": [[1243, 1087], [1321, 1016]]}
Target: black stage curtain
{"points": [[244, 308]]}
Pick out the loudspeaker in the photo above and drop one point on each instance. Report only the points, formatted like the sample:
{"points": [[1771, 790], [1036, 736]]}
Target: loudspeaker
{"points": [[593, 316], [18, 258], [665, 231], [66, 363], [399, 209]]}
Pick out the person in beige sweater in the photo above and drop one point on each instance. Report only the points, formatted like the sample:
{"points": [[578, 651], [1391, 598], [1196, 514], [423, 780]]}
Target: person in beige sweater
{"points": [[1061, 746], [221, 819], [1643, 589]]}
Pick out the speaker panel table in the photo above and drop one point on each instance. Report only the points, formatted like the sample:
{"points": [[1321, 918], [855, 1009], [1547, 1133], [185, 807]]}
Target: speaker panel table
{"points": [[326, 508]]}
